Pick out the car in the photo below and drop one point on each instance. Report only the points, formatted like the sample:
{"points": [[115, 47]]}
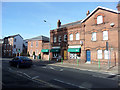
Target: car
{"points": [[21, 61]]}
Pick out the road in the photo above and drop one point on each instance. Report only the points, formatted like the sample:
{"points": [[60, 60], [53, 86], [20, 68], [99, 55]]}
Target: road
{"points": [[49, 76]]}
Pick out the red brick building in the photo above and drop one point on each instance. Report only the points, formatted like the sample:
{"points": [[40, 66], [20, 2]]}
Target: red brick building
{"points": [[86, 39], [39, 45]]}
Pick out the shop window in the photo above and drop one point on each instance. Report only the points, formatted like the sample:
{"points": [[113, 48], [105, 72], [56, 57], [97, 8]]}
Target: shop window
{"points": [[71, 37], [59, 38], [99, 19], [94, 36], [105, 35], [65, 37], [99, 54], [54, 39], [55, 55], [77, 36], [106, 54]]}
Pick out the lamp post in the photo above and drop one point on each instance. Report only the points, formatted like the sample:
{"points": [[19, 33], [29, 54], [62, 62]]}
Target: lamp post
{"points": [[49, 36]]}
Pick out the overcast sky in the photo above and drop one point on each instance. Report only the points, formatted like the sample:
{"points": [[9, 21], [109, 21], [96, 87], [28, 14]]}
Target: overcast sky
{"points": [[27, 18]]}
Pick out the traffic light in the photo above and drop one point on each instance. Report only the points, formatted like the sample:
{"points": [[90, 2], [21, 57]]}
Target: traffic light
{"points": [[107, 46]]}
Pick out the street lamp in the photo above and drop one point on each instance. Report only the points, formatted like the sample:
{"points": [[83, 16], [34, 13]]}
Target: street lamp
{"points": [[49, 36]]}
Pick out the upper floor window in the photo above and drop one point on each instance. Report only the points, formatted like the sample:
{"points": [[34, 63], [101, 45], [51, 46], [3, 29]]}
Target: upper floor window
{"points": [[31, 44], [99, 54], [15, 40], [94, 36], [71, 37], [65, 37], [105, 35], [59, 38], [77, 36], [54, 39], [36, 43], [99, 19]]}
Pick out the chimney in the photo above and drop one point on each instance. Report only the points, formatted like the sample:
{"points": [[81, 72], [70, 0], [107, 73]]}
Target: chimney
{"points": [[118, 6], [88, 12], [58, 23]]}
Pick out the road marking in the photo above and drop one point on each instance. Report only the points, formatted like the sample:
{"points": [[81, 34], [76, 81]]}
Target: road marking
{"points": [[35, 77], [47, 83], [27, 75], [2, 83], [44, 67], [61, 69], [70, 84], [52, 68]]}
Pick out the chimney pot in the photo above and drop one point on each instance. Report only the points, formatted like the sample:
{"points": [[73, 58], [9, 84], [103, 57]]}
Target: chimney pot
{"points": [[58, 23]]}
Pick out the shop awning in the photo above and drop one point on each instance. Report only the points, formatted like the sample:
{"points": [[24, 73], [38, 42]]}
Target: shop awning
{"points": [[74, 49], [55, 50], [45, 50]]}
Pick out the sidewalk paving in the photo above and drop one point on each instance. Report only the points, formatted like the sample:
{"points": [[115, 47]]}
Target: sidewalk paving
{"points": [[83, 66]]}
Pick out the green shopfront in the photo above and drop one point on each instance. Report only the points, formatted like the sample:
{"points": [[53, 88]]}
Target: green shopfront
{"points": [[45, 54], [55, 52], [74, 52]]}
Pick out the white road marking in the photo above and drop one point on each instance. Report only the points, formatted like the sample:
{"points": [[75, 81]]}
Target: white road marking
{"points": [[27, 75], [61, 69], [44, 67], [52, 68], [2, 83], [35, 77], [70, 84]]}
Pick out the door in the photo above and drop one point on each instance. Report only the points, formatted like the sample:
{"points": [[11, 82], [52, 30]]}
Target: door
{"points": [[88, 56], [65, 54]]}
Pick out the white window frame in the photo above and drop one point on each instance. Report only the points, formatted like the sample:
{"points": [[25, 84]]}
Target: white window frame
{"points": [[71, 37], [106, 54], [54, 39], [77, 36], [94, 36], [105, 35], [99, 19], [99, 54], [60, 38], [65, 37]]}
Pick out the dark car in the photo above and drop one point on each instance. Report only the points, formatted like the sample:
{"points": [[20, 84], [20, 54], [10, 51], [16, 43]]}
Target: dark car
{"points": [[21, 61]]}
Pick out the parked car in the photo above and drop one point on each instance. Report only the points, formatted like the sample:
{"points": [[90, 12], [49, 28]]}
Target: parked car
{"points": [[21, 61]]}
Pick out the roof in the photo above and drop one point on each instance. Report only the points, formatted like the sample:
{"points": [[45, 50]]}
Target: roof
{"points": [[39, 38], [99, 7], [70, 24], [14, 36]]}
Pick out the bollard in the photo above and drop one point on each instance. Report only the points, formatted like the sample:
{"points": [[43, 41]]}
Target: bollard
{"points": [[77, 62], [49, 59], [99, 64], [61, 60]]}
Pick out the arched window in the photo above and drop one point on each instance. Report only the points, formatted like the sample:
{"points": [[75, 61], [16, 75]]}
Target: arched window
{"points": [[99, 19], [77, 36], [71, 37]]}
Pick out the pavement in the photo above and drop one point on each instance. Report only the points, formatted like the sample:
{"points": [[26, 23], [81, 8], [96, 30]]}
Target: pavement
{"points": [[83, 66]]}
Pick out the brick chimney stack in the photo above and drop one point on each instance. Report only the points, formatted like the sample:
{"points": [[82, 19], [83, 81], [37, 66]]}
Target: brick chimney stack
{"points": [[118, 6], [58, 23], [88, 12]]}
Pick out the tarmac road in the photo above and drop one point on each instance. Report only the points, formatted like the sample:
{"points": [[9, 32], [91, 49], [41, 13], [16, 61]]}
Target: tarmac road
{"points": [[45, 75]]}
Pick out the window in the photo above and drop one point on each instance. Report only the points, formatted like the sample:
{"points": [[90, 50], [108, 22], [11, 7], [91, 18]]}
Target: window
{"points": [[94, 36], [71, 37], [36, 52], [99, 54], [77, 36], [65, 37], [105, 35], [31, 52], [31, 44], [99, 19], [54, 39], [59, 38], [36, 43], [106, 54], [55, 54], [14, 46], [15, 40]]}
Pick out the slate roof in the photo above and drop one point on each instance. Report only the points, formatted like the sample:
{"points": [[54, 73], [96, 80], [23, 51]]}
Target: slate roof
{"points": [[14, 36], [41, 37]]}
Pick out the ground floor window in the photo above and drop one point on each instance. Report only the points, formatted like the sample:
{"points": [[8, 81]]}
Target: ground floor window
{"points": [[99, 54], [46, 53], [106, 54], [55, 54], [74, 55]]}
